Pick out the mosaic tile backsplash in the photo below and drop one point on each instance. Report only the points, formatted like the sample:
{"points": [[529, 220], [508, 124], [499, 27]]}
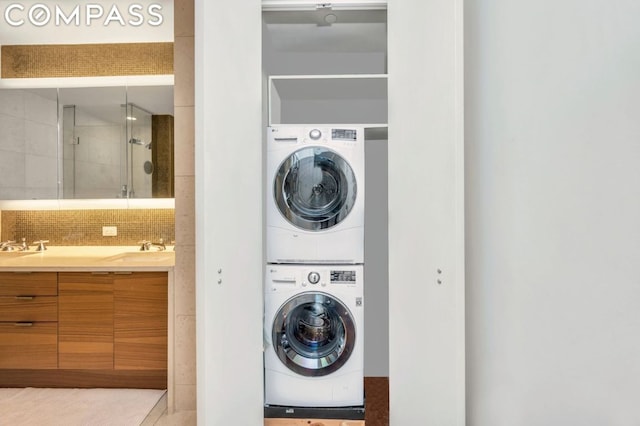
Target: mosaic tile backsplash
{"points": [[86, 60], [84, 227]]}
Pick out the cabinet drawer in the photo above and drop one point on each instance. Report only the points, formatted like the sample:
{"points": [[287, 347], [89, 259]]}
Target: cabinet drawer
{"points": [[28, 284], [29, 345], [28, 308]]}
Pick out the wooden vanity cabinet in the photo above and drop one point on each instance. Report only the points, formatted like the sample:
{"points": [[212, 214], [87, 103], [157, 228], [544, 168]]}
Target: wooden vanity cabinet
{"points": [[84, 329], [28, 320], [85, 332]]}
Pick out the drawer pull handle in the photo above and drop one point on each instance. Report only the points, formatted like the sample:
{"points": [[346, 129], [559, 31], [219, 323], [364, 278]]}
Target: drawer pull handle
{"points": [[24, 297], [24, 324]]}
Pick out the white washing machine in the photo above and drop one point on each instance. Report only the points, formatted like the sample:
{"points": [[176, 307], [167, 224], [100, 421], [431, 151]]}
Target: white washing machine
{"points": [[315, 194], [313, 328]]}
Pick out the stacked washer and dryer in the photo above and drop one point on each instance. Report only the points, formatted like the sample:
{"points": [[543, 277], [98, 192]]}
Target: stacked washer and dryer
{"points": [[313, 313]]}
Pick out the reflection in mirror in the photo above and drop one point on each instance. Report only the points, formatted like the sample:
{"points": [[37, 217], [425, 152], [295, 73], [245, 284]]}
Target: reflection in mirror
{"points": [[93, 134], [28, 144], [86, 143], [150, 159], [115, 142], [138, 153]]}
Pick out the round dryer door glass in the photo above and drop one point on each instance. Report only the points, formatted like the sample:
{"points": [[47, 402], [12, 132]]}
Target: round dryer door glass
{"points": [[315, 188], [313, 334]]}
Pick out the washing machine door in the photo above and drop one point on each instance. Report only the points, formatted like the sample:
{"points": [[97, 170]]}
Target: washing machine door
{"points": [[315, 188], [314, 334]]}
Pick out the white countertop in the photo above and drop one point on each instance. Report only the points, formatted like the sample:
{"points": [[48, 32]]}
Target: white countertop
{"points": [[88, 258]]}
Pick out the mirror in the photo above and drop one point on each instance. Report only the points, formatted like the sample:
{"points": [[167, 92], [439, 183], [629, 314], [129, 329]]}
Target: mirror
{"points": [[86, 143], [28, 144]]}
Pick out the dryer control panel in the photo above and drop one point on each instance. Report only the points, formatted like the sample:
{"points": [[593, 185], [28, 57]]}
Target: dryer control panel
{"points": [[344, 134]]}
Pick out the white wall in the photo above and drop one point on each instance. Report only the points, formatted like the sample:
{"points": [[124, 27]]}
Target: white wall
{"points": [[553, 212]]}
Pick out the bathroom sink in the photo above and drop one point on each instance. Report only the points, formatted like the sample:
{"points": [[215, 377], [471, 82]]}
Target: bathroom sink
{"points": [[141, 257]]}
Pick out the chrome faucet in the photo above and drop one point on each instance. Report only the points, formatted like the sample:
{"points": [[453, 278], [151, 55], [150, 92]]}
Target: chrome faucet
{"points": [[146, 245], [41, 245], [14, 246]]}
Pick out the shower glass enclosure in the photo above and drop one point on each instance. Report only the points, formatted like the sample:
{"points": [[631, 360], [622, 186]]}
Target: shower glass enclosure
{"points": [[139, 165], [107, 150]]}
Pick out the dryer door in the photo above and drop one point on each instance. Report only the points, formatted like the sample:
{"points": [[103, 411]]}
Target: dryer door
{"points": [[315, 188], [314, 334]]}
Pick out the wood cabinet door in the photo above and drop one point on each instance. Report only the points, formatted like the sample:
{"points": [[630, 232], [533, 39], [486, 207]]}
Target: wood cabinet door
{"points": [[140, 321], [27, 345], [85, 321]]}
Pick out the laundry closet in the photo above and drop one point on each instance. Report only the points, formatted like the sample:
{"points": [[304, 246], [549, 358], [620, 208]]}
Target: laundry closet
{"points": [[326, 103], [391, 71], [327, 67]]}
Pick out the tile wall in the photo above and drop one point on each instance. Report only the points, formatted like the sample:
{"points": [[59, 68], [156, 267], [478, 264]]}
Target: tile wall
{"points": [[84, 227]]}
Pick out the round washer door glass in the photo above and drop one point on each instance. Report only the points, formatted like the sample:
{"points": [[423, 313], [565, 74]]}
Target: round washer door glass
{"points": [[313, 334], [315, 188]]}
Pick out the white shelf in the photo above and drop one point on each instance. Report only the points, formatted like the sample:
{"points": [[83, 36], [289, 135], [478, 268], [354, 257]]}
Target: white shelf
{"points": [[335, 99], [312, 5], [376, 132]]}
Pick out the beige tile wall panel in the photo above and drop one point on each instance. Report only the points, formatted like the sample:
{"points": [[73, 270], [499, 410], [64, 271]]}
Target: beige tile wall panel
{"points": [[184, 71], [183, 18], [185, 137], [184, 398], [185, 277]]}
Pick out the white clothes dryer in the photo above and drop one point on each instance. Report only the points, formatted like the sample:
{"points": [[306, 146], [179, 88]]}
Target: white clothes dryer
{"points": [[315, 194], [313, 328]]}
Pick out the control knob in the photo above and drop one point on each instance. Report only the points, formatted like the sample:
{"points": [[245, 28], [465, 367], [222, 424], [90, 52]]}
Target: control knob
{"points": [[313, 277], [315, 134]]}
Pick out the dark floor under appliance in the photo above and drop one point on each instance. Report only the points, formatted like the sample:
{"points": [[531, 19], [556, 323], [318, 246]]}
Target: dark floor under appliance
{"points": [[375, 411]]}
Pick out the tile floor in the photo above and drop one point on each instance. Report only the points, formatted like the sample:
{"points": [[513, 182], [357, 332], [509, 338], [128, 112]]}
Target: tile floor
{"points": [[183, 418], [159, 416]]}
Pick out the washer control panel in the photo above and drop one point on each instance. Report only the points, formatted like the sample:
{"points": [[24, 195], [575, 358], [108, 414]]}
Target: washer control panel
{"points": [[290, 277]]}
